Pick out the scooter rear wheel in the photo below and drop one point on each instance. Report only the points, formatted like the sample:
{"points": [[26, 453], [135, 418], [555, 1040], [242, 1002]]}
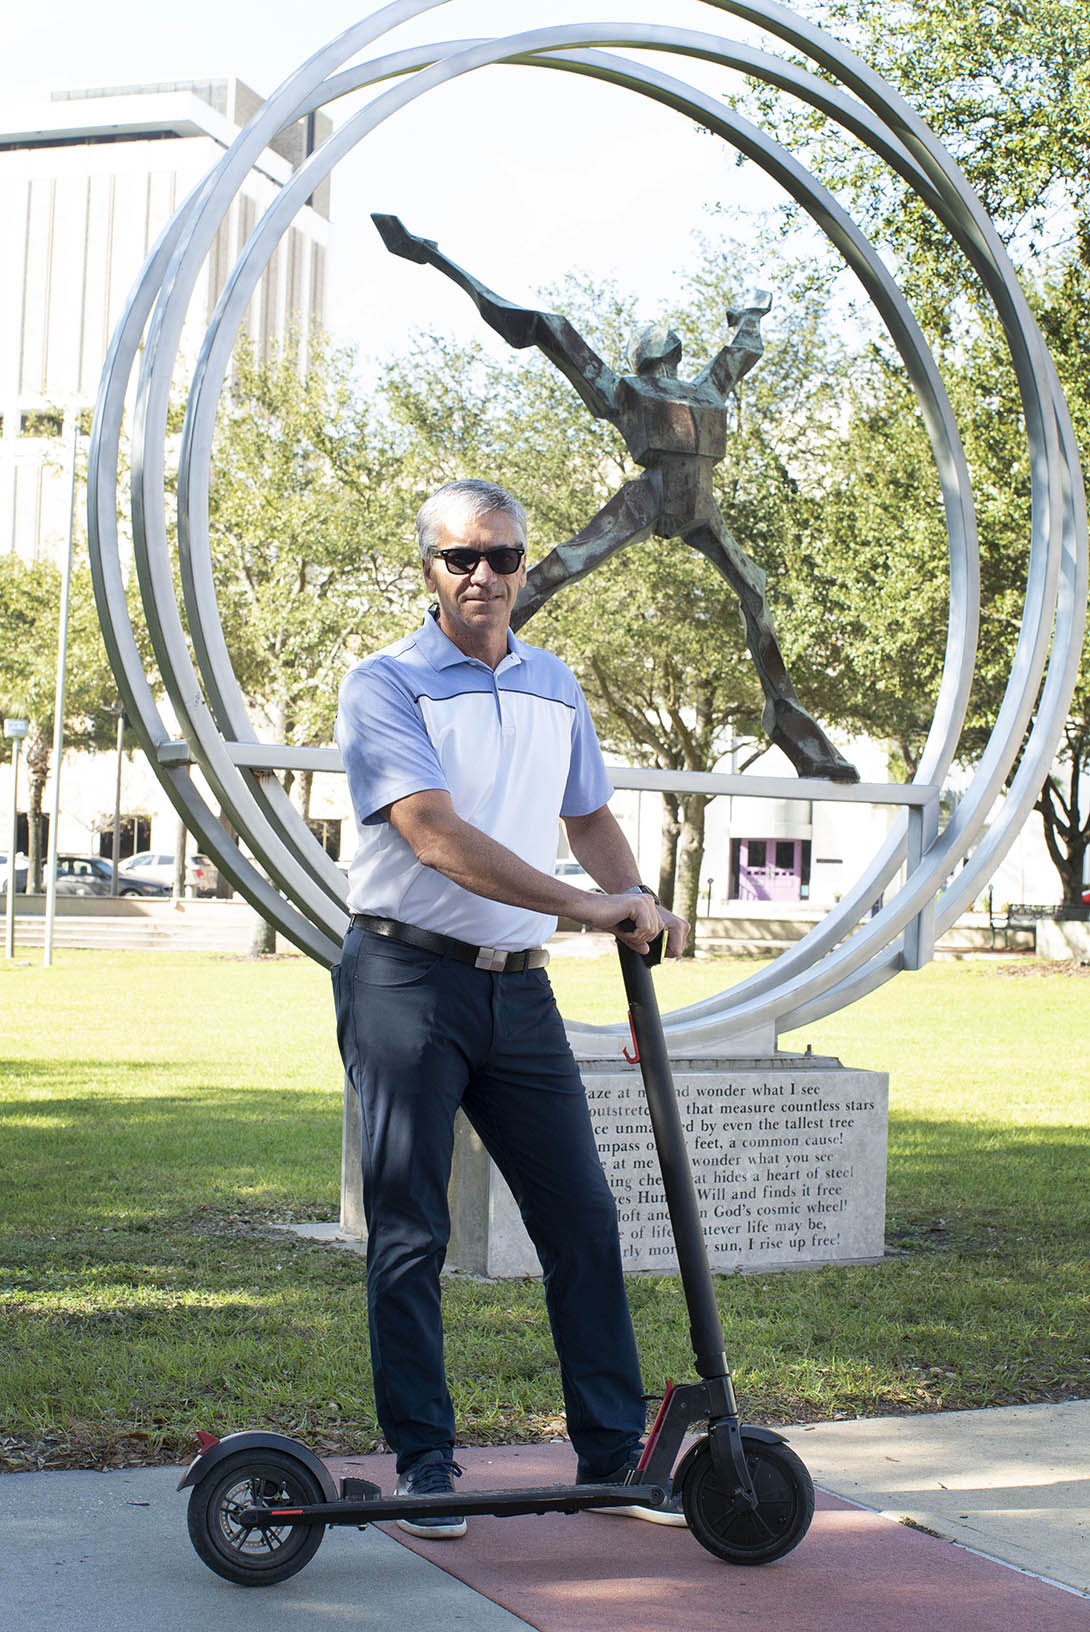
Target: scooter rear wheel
{"points": [[262, 1555], [743, 1535]]}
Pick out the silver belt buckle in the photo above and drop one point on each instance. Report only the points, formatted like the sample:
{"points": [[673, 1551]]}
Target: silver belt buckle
{"points": [[491, 959]]}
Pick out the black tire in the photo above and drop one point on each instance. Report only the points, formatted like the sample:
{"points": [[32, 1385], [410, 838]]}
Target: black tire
{"points": [[738, 1534], [256, 1478]]}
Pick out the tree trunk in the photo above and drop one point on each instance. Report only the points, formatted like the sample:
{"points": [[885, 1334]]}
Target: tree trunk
{"points": [[224, 890], [263, 940], [671, 832], [37, 765], [181, 842], [306, 787], [1067, 835], [690, 858]]}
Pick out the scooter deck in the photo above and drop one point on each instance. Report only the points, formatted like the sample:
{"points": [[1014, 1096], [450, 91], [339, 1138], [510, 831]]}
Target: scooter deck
{"points": [[470, 1504]]}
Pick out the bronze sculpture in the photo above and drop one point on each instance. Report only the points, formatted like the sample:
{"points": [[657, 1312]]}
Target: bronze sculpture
{"points": [[676, 430]]}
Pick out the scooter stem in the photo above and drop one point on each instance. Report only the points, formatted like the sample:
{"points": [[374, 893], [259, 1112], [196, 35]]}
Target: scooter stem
{"points": [[677, 1177]]}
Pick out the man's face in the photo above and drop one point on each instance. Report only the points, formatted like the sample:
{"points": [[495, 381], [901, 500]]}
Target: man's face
{"points": [[475, 607]]}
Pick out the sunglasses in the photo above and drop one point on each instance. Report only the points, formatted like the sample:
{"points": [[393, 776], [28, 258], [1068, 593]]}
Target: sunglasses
{"points": [[506, 559]]}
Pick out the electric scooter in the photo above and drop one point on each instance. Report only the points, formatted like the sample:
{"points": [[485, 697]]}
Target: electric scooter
{"points": [[260, 1502]]}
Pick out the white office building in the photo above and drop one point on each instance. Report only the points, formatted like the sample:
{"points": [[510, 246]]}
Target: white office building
{"points": [[87, 183]]}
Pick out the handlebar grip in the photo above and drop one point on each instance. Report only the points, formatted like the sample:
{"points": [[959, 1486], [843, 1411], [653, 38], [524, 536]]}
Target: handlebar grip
{"points": [[653, 955]]}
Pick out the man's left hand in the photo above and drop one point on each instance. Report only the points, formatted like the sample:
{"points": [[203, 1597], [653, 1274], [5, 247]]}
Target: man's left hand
{"points": [[677, 932], [609, 912]]}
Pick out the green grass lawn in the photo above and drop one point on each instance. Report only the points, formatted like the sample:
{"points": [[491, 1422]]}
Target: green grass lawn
{"points": [[159, 1112]]}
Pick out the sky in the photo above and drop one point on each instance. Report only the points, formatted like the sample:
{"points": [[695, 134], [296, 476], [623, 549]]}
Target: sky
{"points": [[521, 174]]}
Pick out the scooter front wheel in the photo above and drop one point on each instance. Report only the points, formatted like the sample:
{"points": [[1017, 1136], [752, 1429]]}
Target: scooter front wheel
{"points": [[254, 1556], [740, 1534]]}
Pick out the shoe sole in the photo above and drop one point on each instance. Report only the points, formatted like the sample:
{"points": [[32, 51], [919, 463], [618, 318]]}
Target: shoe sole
{"points": [[434, 1532], [653, 1515]]}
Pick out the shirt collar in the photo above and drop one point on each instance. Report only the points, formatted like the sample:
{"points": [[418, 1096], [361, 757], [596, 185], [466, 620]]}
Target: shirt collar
{"points": [[442, 653]]}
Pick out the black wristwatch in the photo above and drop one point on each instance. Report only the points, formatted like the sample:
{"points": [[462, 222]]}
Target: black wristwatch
{"points": [[641, 889]]}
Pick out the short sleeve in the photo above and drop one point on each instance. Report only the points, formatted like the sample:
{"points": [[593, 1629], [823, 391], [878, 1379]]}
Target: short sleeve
{"points": [[385, 748], [588, 787]]}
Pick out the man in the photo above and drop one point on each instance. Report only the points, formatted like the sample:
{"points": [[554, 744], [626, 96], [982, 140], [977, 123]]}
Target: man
{"points": [[464, 747]]}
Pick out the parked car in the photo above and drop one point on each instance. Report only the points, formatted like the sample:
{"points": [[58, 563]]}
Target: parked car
{"points": [[84, 875], [157, 866], [20, 873], [94, 875], [153, 864], [138, 884], [201, 875]]}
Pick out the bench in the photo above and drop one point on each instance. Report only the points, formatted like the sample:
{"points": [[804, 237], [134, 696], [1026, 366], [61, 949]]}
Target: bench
{"points": [[1017, 915]]}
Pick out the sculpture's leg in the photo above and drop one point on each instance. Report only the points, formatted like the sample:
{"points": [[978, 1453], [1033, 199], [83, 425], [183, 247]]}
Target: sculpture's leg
{"points": [[787, 723], [628, 517]]}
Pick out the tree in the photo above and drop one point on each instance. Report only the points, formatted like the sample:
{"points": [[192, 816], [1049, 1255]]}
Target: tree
{"points": [[311, 513], [30, 595], [1007, 90]]}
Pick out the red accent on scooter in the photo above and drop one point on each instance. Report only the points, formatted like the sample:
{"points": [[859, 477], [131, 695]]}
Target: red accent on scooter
{"points": [[206, 1441], [657, 1424], [634, 1057]]}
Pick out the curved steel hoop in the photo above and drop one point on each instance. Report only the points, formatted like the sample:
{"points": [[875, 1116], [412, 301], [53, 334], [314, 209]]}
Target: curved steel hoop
{"points": [[293, 883]]}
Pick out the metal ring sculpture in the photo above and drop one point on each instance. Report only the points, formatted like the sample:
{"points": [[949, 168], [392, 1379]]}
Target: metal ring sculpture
{"points": [[290, 880]]}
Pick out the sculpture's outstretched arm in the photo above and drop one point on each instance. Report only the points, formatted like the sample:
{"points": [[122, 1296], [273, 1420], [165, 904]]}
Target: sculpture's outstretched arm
{"points": [[736, 359], [519, 326]]}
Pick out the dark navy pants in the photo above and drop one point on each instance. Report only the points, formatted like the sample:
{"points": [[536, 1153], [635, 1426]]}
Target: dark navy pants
{"points": [[421, 1035]]}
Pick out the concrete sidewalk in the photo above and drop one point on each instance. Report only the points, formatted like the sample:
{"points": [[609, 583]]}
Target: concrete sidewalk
{"points": [[1013, 1483], [109, 1552]]}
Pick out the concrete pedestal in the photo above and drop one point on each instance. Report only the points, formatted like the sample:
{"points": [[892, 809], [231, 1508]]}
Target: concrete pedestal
{"points": [[1063, 939], [788, 1156]]}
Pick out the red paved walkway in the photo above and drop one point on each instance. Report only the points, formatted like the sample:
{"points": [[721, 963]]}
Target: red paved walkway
{"points": [[854, 1571]]}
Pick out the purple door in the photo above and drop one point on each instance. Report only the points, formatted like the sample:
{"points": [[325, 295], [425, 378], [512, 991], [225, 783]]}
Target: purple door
{"points": [[770, 869]]}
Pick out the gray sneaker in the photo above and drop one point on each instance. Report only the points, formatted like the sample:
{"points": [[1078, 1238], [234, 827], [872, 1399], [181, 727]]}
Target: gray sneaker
{"points": [[432, 1478]]}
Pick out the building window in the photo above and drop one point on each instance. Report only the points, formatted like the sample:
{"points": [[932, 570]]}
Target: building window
{"points": [[41, 422], [134, 834], [770, 869]]}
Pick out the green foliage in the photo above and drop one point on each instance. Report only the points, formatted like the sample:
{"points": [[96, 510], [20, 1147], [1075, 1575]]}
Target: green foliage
{"points": [[30, 600], [1005, 87], [311, 520], [30, 596]]}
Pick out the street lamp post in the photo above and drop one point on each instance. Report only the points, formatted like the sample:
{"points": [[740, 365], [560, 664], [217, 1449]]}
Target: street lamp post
{"points": [[16, 730], [58, 706], [121, 724]]}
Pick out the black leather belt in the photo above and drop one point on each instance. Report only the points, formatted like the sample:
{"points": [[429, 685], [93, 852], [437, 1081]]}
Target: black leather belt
{"points": [[481, 957]]}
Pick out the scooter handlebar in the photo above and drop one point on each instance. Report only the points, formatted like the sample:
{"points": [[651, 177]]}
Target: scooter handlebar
{"points": [[653, 955]]}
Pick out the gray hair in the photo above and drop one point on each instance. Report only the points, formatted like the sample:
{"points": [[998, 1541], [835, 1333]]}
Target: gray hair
{"points": [[470, 498]]}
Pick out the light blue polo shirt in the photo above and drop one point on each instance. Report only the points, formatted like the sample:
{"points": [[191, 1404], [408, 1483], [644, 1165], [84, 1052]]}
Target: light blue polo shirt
{"points": [[514, 747]]}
